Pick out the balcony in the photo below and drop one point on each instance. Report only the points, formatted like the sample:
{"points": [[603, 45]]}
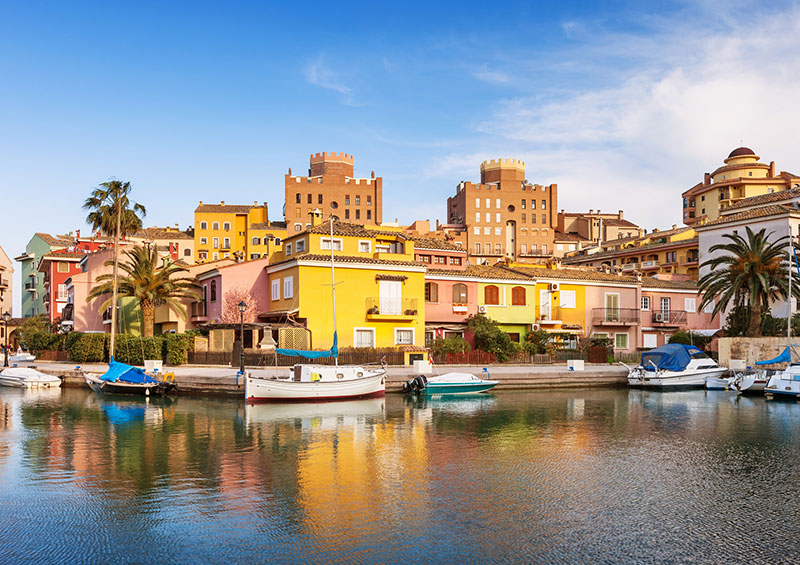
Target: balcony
{"points": [[107, 316], [198, 311], [629, 267], [691, 260], [460, 308], [3, 282], [616, 316], [668, 318], [391, 308], [30, 286], [548, 316], [652, 264]]}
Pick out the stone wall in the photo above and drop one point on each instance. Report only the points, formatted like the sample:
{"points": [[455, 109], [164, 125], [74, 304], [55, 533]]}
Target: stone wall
{"points": [[751, 349]]}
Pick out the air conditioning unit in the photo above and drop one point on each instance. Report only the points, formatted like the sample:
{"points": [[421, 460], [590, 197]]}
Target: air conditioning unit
{"points": [[481, 309], [659, 317], [535, 327], [552, 287]]}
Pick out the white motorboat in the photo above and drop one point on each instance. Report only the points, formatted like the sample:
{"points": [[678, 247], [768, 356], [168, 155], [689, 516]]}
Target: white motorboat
{"points": [[23, 377], [307, 382], [784, 384], [325, 415], [673, 366], [719, 383], [752, 382]]}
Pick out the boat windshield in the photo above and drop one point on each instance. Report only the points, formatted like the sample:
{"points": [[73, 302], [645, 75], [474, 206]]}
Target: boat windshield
{"points": [[700, 355]]}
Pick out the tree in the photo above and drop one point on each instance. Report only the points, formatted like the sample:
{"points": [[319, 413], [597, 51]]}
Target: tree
{"points": [[751, 273], [149, 281], [455, 344], [230, 306], [32, 326], [489, 337], [111, 213], [691, 338]]}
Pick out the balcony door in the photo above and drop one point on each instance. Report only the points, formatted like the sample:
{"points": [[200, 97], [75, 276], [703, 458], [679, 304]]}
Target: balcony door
{"points": [[391, 297], [545, 301], [612, 307], [665, 308]]}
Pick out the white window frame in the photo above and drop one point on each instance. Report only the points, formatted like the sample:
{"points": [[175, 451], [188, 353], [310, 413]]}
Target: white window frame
{"points": [[276, 289], [215, 243], [690, 305], [476, 230], [477, 217], [214, 225], [226, 226], [361, 243], [203, 241], [298, 227], [288, 287], [325, 243], [497, 216], [287, 249], [477, 202], [487, 231], [645, 300], [355, 336], [488, 217], [203, 225], [215, 256], [645, 340], [709, 308], [497, 203], [498, 231], [627, 340], [568, 299], [398, 330], [62, 292], [226, 243], [300, 245]]}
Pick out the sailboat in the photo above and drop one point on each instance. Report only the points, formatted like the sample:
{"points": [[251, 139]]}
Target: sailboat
{"points": [[314, 382]]}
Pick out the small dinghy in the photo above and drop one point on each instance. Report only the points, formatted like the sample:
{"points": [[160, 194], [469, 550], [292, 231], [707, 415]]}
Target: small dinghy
{"points": [[23, 377], [125, 379]]}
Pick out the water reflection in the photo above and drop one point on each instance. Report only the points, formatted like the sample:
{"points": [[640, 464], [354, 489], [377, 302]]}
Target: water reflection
{"points": [[611, 475]]}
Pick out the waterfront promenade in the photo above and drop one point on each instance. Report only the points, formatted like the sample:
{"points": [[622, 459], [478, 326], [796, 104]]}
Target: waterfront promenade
{"points": [[222, 380]]}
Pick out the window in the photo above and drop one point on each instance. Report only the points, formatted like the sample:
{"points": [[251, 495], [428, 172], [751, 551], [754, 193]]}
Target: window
{"points": [[488, 217], [488, 248], [477, 217], [203, 241], [544, 204], [369, 200], [524, 248], [621, 341], [665, 306], [544, 218], [300, 245], [369, 214], [650, 341], [256, 241], [497, 203], [429, 337], [459, 293], [62, 292], [455, 260], [213, 291], [518, 296], [226, 226], [203, 225], [488, 202], [276, 289], [487, 231], [523, 203], [298, 213], [325, 243], [187, 252], [690, 305], [255, 256], [497, 217], [215, 226], [364, 337], [498, 249], [347, 200], [365, 246], [308, 196], [476, 230], [226, 243], [319, 199], [491, 295], [567, 299], [215, 244], [358, 200], [533, 204], [347, 214], [287, 249], [534, 248], [404, 336], [477, 248], [358, 214], [288, 287], [431, 292], [439, 259], [215, 256], [297, 198], [709, 308], [498, 231], [477, 202], [544, 248], [645, 303], [523, 218], [62, 267], [424, 258]]}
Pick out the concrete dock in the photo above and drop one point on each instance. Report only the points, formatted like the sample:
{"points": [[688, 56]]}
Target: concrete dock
{"points": [[218, 380]]}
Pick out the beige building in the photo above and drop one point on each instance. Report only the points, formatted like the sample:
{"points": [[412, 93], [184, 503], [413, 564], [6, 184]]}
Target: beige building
{"points": [[577, 230], [504, 216], [742, 176]]}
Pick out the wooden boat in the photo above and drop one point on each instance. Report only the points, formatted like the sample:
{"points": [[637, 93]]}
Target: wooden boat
{"points": [[307, 382], [23, 377], [449, 383], [125, 379]]}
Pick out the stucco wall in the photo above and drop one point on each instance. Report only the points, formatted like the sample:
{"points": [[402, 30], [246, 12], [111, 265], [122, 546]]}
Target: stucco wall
{"points": [[751, 349]]}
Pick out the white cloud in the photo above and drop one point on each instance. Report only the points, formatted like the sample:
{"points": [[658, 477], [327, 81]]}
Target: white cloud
{"points": [[320, 74], [491, 76]]}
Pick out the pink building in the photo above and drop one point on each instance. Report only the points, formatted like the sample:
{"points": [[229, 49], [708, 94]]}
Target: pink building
{"points": [[669, 306], [224, 286]]}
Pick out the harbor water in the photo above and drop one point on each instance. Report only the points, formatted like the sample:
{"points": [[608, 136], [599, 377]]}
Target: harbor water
{"points": [[602, 475]]}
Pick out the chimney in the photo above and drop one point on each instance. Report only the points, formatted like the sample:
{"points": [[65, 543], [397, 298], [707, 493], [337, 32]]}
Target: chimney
{"points": [[290, 171], [591, 211], [201, 203], [79, 234], [255, 203], [619, 215], [372, 174]]}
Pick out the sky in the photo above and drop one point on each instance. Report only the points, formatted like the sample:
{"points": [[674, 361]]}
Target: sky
{"points": [[624, 105]]}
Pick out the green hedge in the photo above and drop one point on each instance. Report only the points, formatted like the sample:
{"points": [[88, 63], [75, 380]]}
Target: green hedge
{"points": [[43, 341], [177, 348], [133, 350], [173, 349], [87, 348]]}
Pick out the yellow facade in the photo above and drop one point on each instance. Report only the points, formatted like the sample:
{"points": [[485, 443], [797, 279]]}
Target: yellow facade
{"points": [[568, 305], [224, 229]]}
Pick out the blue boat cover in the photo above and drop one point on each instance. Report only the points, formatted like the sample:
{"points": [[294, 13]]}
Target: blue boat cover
{"points": [[332, 352], [784, 357], [672, 357], [125, 373]]}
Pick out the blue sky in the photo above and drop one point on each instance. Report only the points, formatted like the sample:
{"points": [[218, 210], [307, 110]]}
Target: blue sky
{"points": [[623, 106]]}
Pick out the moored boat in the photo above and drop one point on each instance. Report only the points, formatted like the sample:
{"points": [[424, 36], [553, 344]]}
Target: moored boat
{"points": [[125, 379], [719, 383], [307, 382], [674, 366], [24, 377], [752, 382], [449, 383]]}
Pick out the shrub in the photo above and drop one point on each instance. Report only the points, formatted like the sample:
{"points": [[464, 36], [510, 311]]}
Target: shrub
{"points": [[536, 342], [88, 348], [31, 326], [133, 350], [489, 337], [455, 344], [44, 341], [177, 348], [691, 338]]}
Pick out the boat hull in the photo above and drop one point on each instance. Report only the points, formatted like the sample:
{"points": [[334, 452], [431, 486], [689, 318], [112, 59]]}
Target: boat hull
{"points": [[144, 389], [433, 389], [719, 383], [27, 378], [276, 390], [671, 381], [750, 384]]}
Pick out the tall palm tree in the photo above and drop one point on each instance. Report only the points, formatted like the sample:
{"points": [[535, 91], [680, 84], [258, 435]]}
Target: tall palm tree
{"points": [[111, 212], [151, 281], [751, 273]]}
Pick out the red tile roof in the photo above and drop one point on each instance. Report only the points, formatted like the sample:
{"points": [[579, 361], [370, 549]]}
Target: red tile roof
{"points": [[223, 208], [753, 214], [764, 199]]}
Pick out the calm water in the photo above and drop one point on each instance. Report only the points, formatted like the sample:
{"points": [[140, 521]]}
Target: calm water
{"points": [[601, 475]]}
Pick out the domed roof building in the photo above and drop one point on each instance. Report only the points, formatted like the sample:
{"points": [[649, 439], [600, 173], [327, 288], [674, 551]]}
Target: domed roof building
{"points": [[741, 177]]}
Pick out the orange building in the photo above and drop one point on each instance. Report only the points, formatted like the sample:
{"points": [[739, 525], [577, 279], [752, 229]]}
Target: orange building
{"points": [[504, 215], [332, 188]]}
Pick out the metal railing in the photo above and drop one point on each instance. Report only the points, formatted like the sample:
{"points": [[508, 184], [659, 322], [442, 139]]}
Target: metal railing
{"points": [[668, 317], [198, 309], [616, 315], [548, 314], [392, 306]]}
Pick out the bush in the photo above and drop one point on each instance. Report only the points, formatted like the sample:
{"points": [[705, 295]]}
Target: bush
{"points": [[31, 326], [44, 341], [87, 348], [455, 344], [133, 350], [177, 348], [691, 338], [537, 342], [490, 338]]}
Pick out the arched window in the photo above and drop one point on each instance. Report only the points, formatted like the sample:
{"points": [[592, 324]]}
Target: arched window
{"points": [[460, 294], [215, 226], [226, 226], [431, 292], [491, 295], [256, 241], [203, 225], [213, 291], [518, 296]]}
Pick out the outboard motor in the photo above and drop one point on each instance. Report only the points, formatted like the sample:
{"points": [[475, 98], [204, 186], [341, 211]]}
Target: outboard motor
{"points": [[408, 386], [415, 385]]}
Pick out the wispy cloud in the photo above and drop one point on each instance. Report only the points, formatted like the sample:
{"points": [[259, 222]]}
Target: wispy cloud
{"points": [[491, 76], [319, 73]]}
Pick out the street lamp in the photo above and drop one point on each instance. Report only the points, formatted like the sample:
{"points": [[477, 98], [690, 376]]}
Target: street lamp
{"points": [[6, 319], [242, 308]]}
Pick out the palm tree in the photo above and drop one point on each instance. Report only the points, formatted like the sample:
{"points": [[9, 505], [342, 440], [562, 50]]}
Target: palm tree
{"points": [[150, 281], [111, 213], [750, 274]]}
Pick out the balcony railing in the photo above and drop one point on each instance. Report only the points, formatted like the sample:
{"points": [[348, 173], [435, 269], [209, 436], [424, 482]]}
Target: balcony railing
{"points": [[387, 306], [649, 264], [669, 317], [548, 315], [30, 286], [199, 309], [628, 267], [618, 316]]}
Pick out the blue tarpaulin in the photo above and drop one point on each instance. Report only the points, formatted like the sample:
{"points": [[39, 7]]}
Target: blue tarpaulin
{"points": [[672, 357], [784, 357], [125, 373], [332, 352]]}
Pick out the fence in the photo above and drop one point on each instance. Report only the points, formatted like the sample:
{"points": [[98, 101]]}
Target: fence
{"points": [[52, 355]]}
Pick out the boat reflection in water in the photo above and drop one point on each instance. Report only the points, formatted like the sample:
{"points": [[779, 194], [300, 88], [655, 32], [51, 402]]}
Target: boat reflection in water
{"points": [[473, 403], [325, 415]]}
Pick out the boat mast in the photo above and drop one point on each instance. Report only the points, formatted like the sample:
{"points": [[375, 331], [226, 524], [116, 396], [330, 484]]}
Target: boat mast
{"points": [[115, 275], [791, 266], [333, 290]]}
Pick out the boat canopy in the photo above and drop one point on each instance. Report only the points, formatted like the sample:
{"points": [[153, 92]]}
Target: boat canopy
{"points": [[126, 374], [784, 357], [672, 357], [332, 352]]}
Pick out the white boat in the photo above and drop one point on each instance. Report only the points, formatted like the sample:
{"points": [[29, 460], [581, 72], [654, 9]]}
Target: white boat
{"points": [[752, 382], [309, 382], [784, 384], [23, 377], [317, 382], [719, 383], [673, 366]]}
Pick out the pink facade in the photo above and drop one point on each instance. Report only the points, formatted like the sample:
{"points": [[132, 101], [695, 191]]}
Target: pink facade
{"points": [[667, 310], [613, 310], [87, 316], [222, 288], [446, 312]]}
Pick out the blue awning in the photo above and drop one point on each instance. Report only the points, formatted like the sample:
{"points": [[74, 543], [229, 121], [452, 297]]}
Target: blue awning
{"points": [[332, 352], [784, 357]]}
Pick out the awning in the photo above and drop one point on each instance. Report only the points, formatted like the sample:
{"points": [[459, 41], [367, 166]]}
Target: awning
{"points": [[446, 327], [390, 277], [705, 333], [564, 331]]}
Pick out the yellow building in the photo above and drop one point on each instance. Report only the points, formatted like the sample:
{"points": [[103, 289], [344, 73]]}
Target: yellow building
{"points": [[224, 230], [379, 287]]}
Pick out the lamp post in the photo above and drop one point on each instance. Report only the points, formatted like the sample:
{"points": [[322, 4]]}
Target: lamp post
{"points": [[6, 318], [242, 308]]}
